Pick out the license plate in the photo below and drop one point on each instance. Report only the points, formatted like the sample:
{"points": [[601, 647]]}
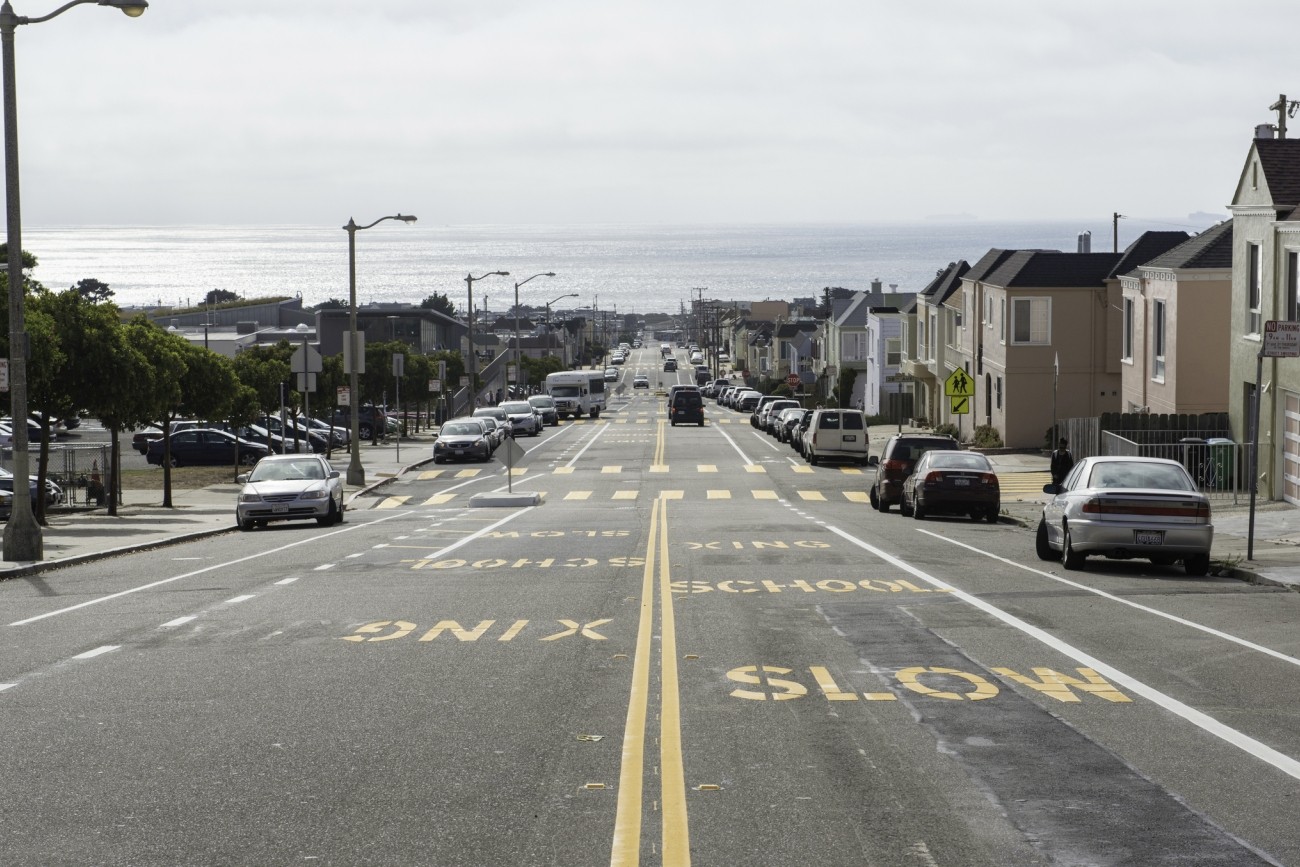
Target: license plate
{"points": [[458, 451], [961, 481], [849, 438], [279, 510], [1148, 537]]}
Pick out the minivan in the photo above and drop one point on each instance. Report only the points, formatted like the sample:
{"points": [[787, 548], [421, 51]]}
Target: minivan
{"points": [[836, 434], [686, 406]]}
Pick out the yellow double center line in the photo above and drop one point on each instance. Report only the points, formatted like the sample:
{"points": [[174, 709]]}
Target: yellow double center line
{"points": [[675, 846]]}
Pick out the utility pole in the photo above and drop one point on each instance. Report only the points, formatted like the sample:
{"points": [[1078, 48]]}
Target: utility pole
{"points": [[1114, 223], [1284, 109]]}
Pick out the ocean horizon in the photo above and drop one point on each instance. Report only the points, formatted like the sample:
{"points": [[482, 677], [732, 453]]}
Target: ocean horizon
{"points": [[636, 268]]}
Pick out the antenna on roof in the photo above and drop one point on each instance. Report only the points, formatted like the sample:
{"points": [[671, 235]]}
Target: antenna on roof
{"points": [[1284, 109]]}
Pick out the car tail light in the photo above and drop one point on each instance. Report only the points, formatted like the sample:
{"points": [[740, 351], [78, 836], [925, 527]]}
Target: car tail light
{"points": [[989, 478], [934, 478], [899, 466]]}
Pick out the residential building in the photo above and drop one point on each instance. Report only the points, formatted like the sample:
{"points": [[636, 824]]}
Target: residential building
{"points": [[925, 337]]}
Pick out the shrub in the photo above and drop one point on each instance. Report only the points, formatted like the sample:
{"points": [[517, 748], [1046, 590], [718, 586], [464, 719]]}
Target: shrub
{"points": [[948, 429], [987, 437]]}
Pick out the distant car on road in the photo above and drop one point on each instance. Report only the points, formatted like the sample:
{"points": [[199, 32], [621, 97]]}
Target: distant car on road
{"points": [[545, 406], [523, 418], [640, 381], [290, 487], [465, 439], [611, 374]]}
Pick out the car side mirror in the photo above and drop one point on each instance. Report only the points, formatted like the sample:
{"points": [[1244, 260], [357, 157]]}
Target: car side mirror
{"points": [[334, 474], [242, 478], [1051, 489], [873, 461]]}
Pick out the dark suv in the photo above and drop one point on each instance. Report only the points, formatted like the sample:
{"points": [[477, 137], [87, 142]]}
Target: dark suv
{"points": [[686, 406], [896, 462]]}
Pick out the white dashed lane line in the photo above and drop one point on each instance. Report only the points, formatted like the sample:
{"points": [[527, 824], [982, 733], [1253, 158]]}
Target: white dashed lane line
{"points": [[98, 651], [179, 621]]}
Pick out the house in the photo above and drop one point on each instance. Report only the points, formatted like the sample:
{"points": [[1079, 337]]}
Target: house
{"points": [[1266, 285], [924, 338], [1039, 334], [1181, 298], [863, 334]]}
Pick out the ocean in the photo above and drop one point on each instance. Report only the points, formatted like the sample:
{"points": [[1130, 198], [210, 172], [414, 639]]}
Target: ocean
{"points": [[624, 268]]}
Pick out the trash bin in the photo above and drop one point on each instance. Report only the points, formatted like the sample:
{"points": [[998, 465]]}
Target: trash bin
{"points": [[1222, 463]]}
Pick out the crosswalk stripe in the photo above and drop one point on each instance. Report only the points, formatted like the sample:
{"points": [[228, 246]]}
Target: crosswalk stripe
{"points": [[439, 499], [718, 495], [658, 468], [393, 502], [672, 495], [812, 495], [765, 495], [563, 471], [467, 474], [706, 468], [625, 495], [577, 495], [429, 474], [852, 471], [612, 468], [802, 469], [755, 468], [857, 496]]}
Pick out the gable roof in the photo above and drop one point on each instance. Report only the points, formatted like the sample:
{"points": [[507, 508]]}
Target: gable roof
{"points": [[1050, 269], [1210, 249], [1280, 160], [1148, 246], [945, 282], [787, 330]]}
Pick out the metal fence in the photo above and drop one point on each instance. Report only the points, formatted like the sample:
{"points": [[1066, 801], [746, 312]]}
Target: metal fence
{"points": [[80, 470], [1219, 466]]}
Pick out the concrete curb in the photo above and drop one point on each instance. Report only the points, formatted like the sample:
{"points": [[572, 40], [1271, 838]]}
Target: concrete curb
{"points": [[78, 559]]}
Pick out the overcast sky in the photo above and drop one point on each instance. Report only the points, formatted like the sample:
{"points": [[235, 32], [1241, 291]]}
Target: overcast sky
{"points": [[504, 111]]}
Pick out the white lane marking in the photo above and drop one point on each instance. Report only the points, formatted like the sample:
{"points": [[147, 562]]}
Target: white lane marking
{"points": [[358, 554], [765, 440], [98, 651], [591, 442], [239, 599], [305, 541], [179, 621], [726, 436], [283, 581], [4, 686], [321, 568], [1203, 721], [1102, 593]]}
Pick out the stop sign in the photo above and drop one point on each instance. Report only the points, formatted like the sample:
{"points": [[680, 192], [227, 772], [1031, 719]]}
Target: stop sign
{"points": [[792, 380]]}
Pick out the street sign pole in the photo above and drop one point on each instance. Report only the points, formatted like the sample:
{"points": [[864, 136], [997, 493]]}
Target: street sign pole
{"points": [[1281, 340]]}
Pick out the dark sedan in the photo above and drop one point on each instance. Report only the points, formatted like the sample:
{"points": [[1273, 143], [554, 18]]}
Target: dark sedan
{"points": [[462, 441], [952, 483], [204, 446]]}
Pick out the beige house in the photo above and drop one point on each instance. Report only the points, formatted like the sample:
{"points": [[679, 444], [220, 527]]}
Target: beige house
{"points": [[1040, 336], [1180, 299], [925, 338]]}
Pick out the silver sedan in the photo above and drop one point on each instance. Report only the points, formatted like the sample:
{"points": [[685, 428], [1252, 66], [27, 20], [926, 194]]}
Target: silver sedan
{"points": [[1125, 508], [290, 487]]}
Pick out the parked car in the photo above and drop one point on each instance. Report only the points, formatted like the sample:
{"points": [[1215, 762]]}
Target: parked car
{"points": [[288, 488], [640, 381], [611, 374], [207, 446], [6, 504], [545, 406], [522, 417], [370, 420], [785, 419], [836, 434], [53, 492], [952, 483], [900, 455], [798, 429], [686, 406], [763, 401], [338, 436], [501, 422], [748, 401], [768, 412], [1124, 508], [464, 439]]}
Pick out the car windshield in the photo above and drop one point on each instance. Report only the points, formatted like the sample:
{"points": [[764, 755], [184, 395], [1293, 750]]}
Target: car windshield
{"points": [[464, 429], [541, 402], [518, 406], [564, 391], [286, 471], [959, 461], [1134, 474]]}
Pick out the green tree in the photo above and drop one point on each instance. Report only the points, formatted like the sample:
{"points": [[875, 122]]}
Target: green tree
{"points": [[332, 304], [220, 296], [439, 303], [160, 393], [93, 291]]}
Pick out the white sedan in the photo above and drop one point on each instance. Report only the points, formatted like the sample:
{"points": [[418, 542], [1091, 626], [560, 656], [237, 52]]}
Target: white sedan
{"points": [[1125, 508], [290, 487]]}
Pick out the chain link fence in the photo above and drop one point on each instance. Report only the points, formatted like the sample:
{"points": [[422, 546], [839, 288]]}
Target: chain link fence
{"points": [[80, 471]]}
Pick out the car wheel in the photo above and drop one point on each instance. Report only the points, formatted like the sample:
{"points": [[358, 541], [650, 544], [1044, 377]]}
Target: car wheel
{"points": [[244, 523], [871, 495], [882, 505], [1069, 556], [364, 431], [1197, 564], [437, 460], [903, 508], [329, 517], [812, 458], [1041, 548], [991, 515], [918, 510], [247, 459]]}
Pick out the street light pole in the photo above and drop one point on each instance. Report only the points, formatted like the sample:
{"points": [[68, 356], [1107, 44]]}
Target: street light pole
{"points": [[473, 354], [22, 538], [518, 369], [357, 473], [564, 355]]}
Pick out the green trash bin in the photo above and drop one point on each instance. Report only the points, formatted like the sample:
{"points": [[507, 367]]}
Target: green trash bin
{"points": [[1221, 463]]}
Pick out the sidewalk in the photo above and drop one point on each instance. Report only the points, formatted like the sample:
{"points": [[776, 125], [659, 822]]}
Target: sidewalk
{"points": [[142, 522]]}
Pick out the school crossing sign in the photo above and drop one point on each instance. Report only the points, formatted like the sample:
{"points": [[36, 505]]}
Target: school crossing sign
{"points": [[960, 389]]}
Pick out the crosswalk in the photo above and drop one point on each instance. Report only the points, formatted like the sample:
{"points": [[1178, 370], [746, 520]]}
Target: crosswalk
{"points": [[631, 494]]}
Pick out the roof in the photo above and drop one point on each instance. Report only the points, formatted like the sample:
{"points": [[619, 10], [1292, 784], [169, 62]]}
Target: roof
{"points": [[986, 265], [1280, 159], [786, 330], [1050, 269], [1210, 249], [946, 281], [1148, 246]]}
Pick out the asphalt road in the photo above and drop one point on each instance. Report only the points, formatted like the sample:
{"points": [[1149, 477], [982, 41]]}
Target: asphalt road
{"points": [[697, 649]]}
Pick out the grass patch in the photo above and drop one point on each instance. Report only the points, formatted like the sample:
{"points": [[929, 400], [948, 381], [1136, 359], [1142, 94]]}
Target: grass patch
{"points": [[183, 478]]}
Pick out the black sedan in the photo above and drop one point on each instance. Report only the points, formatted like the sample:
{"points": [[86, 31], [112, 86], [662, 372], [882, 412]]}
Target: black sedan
{"points": [[205, 446], [462, 441], [952, 483]]}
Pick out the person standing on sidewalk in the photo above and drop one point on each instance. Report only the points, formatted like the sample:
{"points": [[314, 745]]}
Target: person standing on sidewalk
{"points": [[1062, 461]]}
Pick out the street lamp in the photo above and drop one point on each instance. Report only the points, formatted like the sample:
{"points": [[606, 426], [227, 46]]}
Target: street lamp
{"points": [[473, 354], [518, 369], [564, 345], [356, 473], [22, 538]]}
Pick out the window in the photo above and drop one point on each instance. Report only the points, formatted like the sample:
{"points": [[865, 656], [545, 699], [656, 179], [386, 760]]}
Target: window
{"points": [[1031, 321], [934, 332], [1002, 317], [988, 311], [1292, 285], [892, 352], [959, 313], [1158, 340], [1127, 354], [1254, 290], [998, 392]]}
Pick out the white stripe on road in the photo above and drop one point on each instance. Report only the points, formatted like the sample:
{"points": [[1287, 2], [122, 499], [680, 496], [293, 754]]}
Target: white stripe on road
{"points": [[1102, 593], [98, 651], [239, 599], [179, 621], [1203, 721], [284, 581], [321, 568]]}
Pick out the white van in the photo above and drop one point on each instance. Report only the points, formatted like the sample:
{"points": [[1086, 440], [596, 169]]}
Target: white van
{"points": [[836, 434]]}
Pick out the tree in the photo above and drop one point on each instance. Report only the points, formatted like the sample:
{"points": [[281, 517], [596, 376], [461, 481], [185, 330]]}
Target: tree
{"points": [[332, 304], [161, 393], [439, 303], [220, 296], [93, 291]]}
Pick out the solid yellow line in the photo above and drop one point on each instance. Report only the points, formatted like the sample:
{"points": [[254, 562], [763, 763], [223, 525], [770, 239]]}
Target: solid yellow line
{"points": [[631, 779], [676, 837]]}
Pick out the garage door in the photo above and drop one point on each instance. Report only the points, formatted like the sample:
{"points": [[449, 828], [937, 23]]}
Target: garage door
{"points": [[1291, 447]]}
